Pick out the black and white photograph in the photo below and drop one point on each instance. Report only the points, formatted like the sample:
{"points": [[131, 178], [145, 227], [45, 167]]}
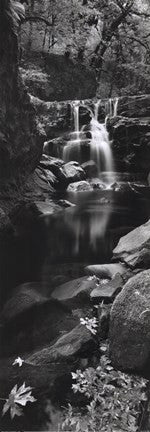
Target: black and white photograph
{"points": [[75, 215]]}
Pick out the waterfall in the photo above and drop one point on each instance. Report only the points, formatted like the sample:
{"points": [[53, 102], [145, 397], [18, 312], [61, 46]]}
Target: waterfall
{"points": [[100, 151], [92, 139]]}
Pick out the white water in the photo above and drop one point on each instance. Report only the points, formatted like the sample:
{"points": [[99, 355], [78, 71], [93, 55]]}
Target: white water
{"points": [[98, 138], [100, 150]]}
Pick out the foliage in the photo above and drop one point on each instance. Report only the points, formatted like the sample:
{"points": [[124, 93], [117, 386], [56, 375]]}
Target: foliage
{"points": [[90, 323], [114, 400], [18, 361], [105, 35], [18, 396]]}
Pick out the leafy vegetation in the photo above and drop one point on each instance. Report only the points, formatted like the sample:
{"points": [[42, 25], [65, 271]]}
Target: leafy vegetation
{"points": [[113, 400], [111, 37], [18, 396]]}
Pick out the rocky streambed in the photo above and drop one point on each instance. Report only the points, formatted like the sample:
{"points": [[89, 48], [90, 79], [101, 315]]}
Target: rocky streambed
{"points": [[76, 296], [49, 305]]}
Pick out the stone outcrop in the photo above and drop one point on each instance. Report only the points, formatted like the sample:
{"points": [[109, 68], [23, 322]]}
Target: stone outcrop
{"points": [[131, 143], [134, 248], [134, 106], [129, 324]]}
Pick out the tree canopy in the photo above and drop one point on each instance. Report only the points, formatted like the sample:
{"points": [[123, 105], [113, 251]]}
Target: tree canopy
{"points": [[110, 36]]}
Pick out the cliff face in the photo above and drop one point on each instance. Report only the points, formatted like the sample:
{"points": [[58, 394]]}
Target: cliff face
{"points": [[20, 140]]}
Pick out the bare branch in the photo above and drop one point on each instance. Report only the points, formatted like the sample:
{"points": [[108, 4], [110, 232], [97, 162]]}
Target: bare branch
{"points": [[37, 18]]}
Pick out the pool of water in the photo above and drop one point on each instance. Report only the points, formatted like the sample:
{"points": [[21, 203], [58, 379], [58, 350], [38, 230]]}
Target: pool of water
{"points": [[63, 243]]}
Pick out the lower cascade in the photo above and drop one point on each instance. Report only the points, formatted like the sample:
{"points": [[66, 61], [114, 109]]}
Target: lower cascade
{"points": [[92, 139]]}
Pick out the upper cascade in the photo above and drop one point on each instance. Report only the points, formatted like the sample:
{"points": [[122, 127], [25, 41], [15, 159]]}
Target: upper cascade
{"points": [[91, 141]]}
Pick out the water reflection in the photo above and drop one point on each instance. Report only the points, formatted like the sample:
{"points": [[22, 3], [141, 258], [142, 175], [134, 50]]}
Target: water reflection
{"points": [[88, 220]]}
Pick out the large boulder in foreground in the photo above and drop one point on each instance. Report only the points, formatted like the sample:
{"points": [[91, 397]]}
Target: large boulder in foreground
{"points": [[130, 324], [134, 248]]}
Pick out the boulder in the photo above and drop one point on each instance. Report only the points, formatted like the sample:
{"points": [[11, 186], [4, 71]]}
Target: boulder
{"points": [[77, 289], [73, 172], [134, 248], [23, 298], [80, 186], [30, 320], [47, 207], [130, 323], [70, 345], [130, 143], [41, 184], [107, 271], [44, 368], [107, 290], [47, 162]]}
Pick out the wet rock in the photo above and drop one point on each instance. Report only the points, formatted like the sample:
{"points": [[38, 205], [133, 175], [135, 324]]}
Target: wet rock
{"points": [[107, 291], [65, 203], [24, 297], [107, 271], [90, 168], [80, 186], [54, 147], [73, 172], [40, 184], [64, 173], [130, 323], [47, 162], [44, 367], [131, 143], [31, 320], [96, 183], [69, 345], [77, 289], [47, 207], [134, 248]]}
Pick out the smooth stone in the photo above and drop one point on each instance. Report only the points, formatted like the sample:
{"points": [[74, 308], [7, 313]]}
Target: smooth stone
{"points": [[47, 207], [76, 288], [67, 346], [73, 172], [134, 248], [107, 291], [130, 324], [44, 367], [105, 270]]}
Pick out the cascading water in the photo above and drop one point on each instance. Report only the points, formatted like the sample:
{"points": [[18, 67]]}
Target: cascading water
{"points": [[72, 150], [95, 137], [89, 216]]}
